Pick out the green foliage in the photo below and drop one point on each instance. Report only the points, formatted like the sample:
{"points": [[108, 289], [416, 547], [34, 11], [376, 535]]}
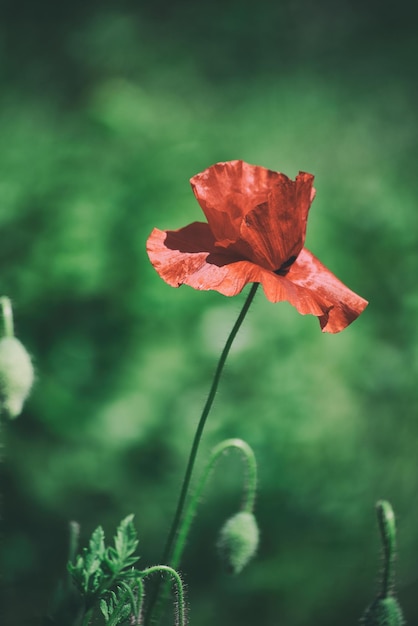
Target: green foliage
{"points": [[99, 568], [88, 571], [108, 583], [110, 605], [121, 556], [120, 605]]}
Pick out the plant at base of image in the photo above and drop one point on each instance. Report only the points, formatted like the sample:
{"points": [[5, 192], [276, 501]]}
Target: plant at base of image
{"points": [[254, 234]]}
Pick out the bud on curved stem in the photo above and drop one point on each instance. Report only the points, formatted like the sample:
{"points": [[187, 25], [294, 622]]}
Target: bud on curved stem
{"points": [[249, 493], [247, 504]]}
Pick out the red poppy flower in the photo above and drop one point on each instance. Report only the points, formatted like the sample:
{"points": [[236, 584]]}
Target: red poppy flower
{"points": [[255, 233]]}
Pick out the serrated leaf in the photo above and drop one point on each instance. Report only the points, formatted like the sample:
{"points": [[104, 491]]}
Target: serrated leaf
{"points": [[99, 568], [87, 571], [116, 603], [126, 540], [96, 543], [125, 613], [77, 567], [104, 609], [130, 560], [95, 581], [91, 563], [112, 560], [120, 557], [114, 599]]}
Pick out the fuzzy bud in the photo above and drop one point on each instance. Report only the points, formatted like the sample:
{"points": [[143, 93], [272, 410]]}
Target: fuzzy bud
{"points": [[383, 612], [16, 376], [238, 541]]}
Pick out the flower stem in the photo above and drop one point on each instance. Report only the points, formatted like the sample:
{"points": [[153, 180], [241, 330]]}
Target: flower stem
{"points": [[249, 493], [7, 312], [202, 422], [197, 438], [199, 431]]}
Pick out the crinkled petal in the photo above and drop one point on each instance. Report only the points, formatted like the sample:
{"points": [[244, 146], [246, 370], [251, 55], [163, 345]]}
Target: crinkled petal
{"points": [[228, 191], [275, 230], [279, 289], [189, 256], [309, 274]]}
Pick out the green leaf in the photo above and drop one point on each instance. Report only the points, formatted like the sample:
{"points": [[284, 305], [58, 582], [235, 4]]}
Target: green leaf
{"points": [[121, 556], [126, 540], [117, 608], [87, 571], [104, 609], [96, 543], [99, 569]]}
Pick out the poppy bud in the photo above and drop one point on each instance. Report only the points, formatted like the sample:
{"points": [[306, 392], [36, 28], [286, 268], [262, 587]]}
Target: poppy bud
{"points": [[383, 612], [16, 376], [238, 541]]}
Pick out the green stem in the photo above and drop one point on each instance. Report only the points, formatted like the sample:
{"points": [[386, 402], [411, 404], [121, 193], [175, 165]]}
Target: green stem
{"points": [[180, 613], [386, 519], [136, 603], [198, 435], [139, 600], [166, 558], [249, 490], [7, 312]]}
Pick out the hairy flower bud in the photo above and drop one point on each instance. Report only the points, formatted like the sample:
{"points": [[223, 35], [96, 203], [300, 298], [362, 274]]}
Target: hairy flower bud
{"points": [[383, 612], [16, 376], [238, 541]]}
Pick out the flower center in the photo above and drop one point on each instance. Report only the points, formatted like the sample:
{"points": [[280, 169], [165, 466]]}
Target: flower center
{"points": [[284, 268]]}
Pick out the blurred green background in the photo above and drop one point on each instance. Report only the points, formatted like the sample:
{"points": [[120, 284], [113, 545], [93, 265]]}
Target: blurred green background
{"points": [[107, 109]]}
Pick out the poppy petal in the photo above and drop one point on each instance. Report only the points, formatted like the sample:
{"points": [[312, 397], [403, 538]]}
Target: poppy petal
{"points": [[188, 256], [280, 289], [275, 230], [311, 275], [228, 191]]}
